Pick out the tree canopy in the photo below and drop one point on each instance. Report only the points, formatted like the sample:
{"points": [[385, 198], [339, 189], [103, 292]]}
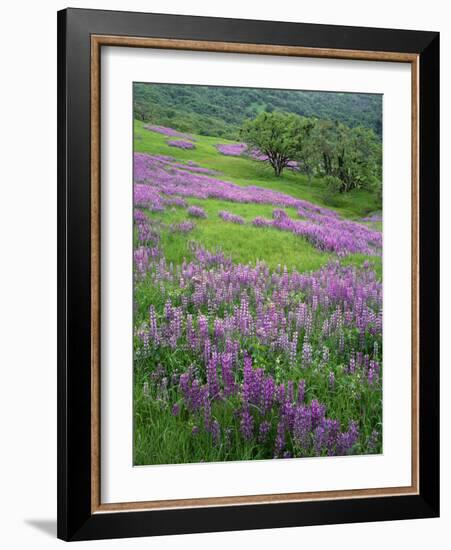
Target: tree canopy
{"points": [[322, 148], [353, 155], [273, 137], [220, 111]]}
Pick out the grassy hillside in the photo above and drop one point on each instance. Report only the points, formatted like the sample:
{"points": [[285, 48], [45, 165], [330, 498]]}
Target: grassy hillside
{"points": [[249, 243]]}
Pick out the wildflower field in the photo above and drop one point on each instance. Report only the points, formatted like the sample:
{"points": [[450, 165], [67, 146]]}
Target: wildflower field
{"points": [[257, 307]]}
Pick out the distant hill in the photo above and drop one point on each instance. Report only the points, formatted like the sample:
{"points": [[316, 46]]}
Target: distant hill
{"points": [[220, 111]]}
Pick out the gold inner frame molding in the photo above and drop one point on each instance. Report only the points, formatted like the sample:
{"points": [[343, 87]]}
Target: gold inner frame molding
{"points": [[97, 41]]}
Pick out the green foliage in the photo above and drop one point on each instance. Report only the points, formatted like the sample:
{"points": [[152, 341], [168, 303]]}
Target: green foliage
{"points": [[220, 111], [306, 150], [275, 135], [353, 155]]}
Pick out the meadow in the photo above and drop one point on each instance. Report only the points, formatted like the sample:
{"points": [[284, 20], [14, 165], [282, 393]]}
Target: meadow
{"points": [[257, 308]]}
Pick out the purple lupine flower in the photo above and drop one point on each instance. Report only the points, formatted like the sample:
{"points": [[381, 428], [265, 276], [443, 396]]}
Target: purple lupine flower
{"points": [[229, 217], [139, 216], [263, 431], [144, 233], [281, 393], [153, 327], [306, 354], [175, 409], [347, 440], [212, 378], [268, 393], [317, 411], [167, 131], [198, 395], [375, 349], [219, 329], [184, 382], [331, 380], [287, 414], [141, 260], [320, 439], [302, 426], [183, 227], [231, 149], [301, 391], [293, 349], [261, 222], [196, 212], [247, 380], [174, 201], [215, 430], [181, 144], [279, 214], [279, 443], [372, 218], [207, 258], [247, 425], [227, 374], [341, 342], [351, 366]]}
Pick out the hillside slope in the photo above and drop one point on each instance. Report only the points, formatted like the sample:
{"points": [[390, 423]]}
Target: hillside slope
{"points": [[220, 111]]}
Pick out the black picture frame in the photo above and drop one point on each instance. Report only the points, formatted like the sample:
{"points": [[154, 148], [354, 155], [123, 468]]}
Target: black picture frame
{"points": [[75, 518]]}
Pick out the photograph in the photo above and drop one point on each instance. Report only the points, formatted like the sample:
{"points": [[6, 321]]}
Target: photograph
{"points": [[257, 274]]}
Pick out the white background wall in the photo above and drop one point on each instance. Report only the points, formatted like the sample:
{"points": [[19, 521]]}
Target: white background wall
{"points": [[28, 271]]}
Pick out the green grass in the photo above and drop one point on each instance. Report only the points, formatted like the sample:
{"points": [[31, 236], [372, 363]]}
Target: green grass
{"points": [[244, 243], [247, 243]]}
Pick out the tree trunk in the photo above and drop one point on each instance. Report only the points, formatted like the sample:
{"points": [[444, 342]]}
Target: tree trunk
{"points": [[277, 165]]}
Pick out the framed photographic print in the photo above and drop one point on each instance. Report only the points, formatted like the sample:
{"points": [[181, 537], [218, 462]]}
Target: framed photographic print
{"points": [[248, 274]]}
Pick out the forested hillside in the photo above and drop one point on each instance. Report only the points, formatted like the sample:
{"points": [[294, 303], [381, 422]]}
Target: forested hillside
{"points": [[220, 111]]}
